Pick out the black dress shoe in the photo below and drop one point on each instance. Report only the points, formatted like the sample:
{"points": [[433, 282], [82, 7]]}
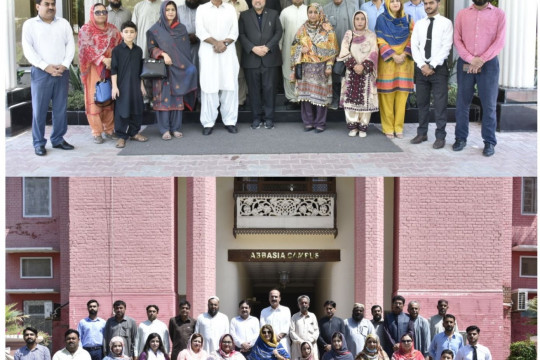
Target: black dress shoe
{"points": [[64, 145], [459, 145], [418, 139], [319, 130], [40, 151], [232, 129], [489, 149], [207, 130]]}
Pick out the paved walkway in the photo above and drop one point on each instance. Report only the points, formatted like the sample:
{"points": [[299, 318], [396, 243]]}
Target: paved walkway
{"points": [[516, 155]]}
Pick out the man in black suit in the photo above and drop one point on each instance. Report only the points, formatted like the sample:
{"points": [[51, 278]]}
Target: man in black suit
{"points": [[259, 33]]}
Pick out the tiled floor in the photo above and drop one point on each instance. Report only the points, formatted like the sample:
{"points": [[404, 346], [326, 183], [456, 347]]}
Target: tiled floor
{"points": [[516, 155]]}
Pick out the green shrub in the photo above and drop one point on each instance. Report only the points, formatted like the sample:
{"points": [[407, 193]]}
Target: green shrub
{"points": [[522, 350], [75, 100]]}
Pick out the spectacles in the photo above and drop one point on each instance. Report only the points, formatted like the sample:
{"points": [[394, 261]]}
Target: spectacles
{"points": [[101, 12], [406, 341], [266, 332]]}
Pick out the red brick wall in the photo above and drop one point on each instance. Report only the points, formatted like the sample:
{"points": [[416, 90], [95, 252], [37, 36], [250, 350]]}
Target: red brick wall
{"points": [[453, 240], [201, 242], [369, 240], [524, 227]]}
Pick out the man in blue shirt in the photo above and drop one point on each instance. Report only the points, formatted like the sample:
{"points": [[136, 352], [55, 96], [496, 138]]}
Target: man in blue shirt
{"points": [[32, 350], [91, 331], [445, 340], [373, 8], [415, 8]]}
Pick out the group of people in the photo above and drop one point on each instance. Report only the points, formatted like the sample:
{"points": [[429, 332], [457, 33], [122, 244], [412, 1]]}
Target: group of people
{"points": [[363, 59], [275, 336]]}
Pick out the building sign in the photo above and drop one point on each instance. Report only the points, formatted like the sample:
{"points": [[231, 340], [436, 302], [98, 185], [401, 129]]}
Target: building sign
{"points": [[304, 255]]}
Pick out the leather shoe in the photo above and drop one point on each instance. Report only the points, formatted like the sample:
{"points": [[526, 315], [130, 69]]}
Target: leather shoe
{"points": [[207, 130], [40, 151], [232, 129], [459, 145], [64, 145], [489, 149], [439, 143], [418, 139]]}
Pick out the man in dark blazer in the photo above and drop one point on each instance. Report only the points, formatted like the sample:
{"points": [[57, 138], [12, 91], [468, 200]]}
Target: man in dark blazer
{"points": [[259, 31]]}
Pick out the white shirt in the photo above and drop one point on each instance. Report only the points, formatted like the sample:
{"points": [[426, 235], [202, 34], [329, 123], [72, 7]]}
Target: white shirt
{"points": [[212, 328], [304, 328], [146, 328], [244, 331], [48, 44], [441, 42], [218, 71], [292, 17], [145, 15], [466, 353], [80, 354], [280, 319], [356, 333]]}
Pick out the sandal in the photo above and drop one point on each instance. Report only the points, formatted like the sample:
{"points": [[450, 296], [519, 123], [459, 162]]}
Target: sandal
{"points": [[166, 136], [121, 143], [139, 138], [177, 134], [390, 136], [399, 135]]}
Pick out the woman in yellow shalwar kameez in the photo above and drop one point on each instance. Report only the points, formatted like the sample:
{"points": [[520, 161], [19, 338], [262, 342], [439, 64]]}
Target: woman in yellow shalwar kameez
{"points": [[395, 76]]}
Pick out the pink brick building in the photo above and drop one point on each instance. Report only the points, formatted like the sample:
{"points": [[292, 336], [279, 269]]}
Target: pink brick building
{"points": [[472, 241]]}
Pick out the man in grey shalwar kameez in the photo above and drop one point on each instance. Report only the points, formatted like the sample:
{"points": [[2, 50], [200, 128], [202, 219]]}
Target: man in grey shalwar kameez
{"points": [[340, 14]]}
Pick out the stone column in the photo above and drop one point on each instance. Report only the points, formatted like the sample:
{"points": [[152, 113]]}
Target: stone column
{"points": [[201, 242], [517, 59], [369, 241]]}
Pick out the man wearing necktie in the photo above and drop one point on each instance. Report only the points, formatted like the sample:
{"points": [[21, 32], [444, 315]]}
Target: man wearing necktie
{"points": [[473, 350], [431, 43]]}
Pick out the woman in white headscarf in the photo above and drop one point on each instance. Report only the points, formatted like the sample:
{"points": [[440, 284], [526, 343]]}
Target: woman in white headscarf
{"points": [[360, 53], [117, 349]]}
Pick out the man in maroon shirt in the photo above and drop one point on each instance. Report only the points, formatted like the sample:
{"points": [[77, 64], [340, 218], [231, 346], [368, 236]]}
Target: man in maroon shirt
{"points": [[479, 35]]}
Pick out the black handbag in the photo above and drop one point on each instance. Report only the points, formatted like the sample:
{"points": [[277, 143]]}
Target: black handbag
{"points": [[298, 71], [153, 69], [339, 66]]}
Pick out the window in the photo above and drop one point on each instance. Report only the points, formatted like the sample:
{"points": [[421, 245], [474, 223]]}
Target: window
{"points": [[36, 267], [37, 197], [528, 195], [528, 266]]}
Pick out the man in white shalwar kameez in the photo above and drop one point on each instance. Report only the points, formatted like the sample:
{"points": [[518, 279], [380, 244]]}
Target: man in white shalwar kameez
{"points": [[304, 328], [145, 14], [212, 325], [217, 28], [292, 17], [279, 317]]}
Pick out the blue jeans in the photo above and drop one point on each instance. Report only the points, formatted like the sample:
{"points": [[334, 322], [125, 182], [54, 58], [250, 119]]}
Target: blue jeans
{"points": [[44, 89], [488, 88]]}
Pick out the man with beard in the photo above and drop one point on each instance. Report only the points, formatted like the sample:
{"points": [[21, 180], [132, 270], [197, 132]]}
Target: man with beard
{"points": [[397, 324], [32, 350], [117, 14], [304, 328], [479, 37], [91, 331], [186, 15], [421, 338], [120, 325], [279, 317], [72, 351], [181, 328], [212, 325], [357, 328], [436, 321], [378, 324], [244, 329], [449, 339], [152, 325], [328, 325]]}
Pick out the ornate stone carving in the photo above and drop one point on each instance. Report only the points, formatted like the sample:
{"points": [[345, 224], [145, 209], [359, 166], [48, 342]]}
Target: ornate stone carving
{"points": [[287, 206]]}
